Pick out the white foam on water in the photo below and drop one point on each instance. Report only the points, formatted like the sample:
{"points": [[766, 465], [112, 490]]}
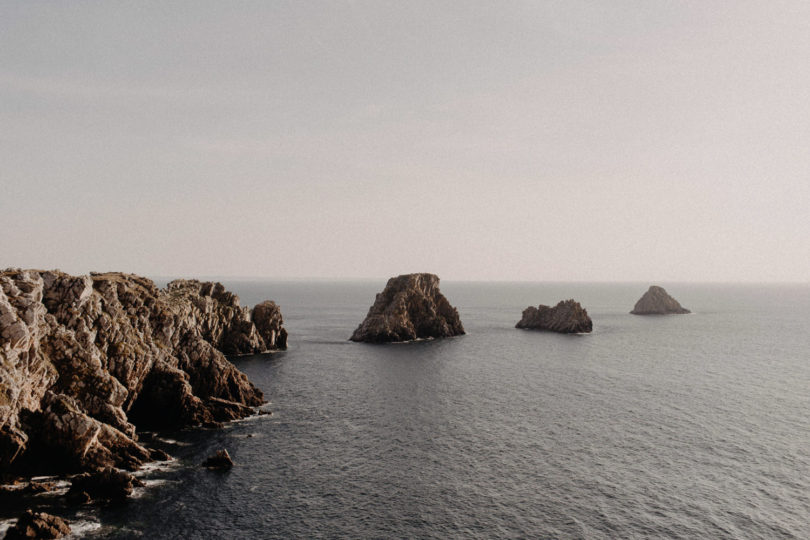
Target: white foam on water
{"points": [[79, 529], [5, 525], [156, 466], [151, 483], [173, 441], [44, 478]]}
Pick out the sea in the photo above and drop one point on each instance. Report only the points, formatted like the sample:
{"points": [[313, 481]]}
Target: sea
{"points": [[681, 426]]}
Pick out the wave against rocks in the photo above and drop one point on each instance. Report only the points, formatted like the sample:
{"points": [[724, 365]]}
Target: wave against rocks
{"points": [[84, 359], [410, 307], [567, 317], [656, 301]]}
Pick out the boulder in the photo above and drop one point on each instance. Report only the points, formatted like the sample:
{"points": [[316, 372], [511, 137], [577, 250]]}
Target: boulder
{"points": [[656, 301], [410, 307], [159, 455], [38, 525], [567, 317], [108, 485], [220, 460]]}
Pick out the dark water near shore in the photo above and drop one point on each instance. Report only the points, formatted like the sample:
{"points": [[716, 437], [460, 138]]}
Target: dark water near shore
{"points": [[679, 427]]}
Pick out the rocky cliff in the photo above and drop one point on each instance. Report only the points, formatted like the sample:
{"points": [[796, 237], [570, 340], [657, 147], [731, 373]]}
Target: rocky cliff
{"points": [[567, 317], [84, 359], [656, 301], [410, 307]]}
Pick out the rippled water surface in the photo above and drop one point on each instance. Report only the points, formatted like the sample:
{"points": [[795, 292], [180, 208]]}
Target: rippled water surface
{"points": [[681, 426]]}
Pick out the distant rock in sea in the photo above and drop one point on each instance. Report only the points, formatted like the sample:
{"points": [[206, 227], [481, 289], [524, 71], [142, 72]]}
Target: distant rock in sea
{"points": [[410, 307], [567, 317], [656, 301], [84, 359]]}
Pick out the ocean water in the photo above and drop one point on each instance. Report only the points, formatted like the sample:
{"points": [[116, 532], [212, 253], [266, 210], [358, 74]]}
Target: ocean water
{"points": [[691, 426]]}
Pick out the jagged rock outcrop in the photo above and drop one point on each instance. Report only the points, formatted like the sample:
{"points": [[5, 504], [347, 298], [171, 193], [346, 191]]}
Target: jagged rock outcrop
{"points": [[410, 307], [219, 460], [225, 324], [38, 525], [567, 317], [267, 318], [83, 359], [656, 301]]}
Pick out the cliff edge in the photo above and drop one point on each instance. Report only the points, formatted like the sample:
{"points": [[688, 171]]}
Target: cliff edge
{"points": [[410, 307], [84, 359]]}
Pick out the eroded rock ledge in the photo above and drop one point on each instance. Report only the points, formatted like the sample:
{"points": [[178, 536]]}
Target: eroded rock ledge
{"points": [[410, 307], [84, 359], [567, 317], [656, 301]]}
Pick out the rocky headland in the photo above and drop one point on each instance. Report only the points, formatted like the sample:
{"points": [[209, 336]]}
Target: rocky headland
{"points": [[567, 317], [410, 307], [84, 360], [656, 301]]}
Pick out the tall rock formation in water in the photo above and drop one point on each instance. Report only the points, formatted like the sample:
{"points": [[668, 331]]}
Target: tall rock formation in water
{"points": [[656, 301], [84, 359], [567, 317], [410, 307]]}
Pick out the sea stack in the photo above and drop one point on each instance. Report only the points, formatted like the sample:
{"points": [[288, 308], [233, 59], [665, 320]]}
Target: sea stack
{"points": [[567, 317], [656, 301], [410, 307], [86, 359]]}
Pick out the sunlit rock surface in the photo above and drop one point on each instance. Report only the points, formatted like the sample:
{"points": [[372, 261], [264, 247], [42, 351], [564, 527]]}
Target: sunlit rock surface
{"points": [[410, 307]]}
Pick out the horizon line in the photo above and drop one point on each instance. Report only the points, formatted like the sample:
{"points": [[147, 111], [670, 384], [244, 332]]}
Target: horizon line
{"points": [[215, 277]]}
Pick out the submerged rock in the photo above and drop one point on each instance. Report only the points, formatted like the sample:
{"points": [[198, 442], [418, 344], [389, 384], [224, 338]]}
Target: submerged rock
{"points": [[83, 359], [410, 307], [220, 460], [38, 525], [656, 301], [567, 317]]}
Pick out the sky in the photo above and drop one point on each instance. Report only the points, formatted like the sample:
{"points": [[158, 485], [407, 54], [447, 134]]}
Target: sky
{"points": [[653, 141]]}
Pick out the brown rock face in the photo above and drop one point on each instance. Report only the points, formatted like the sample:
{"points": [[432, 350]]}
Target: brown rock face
{"points": [[410, 307], [567, 317], [656, 301], [85, 358], [267, 318], [38, 525]]}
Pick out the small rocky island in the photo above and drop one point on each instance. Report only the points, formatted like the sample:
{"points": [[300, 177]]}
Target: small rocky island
{"points": [[86, 359], [567, 317], [410, 307], [656, 301]]}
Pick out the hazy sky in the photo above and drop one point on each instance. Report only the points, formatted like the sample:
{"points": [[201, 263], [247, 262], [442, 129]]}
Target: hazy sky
{"points": [[632, 141]]}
